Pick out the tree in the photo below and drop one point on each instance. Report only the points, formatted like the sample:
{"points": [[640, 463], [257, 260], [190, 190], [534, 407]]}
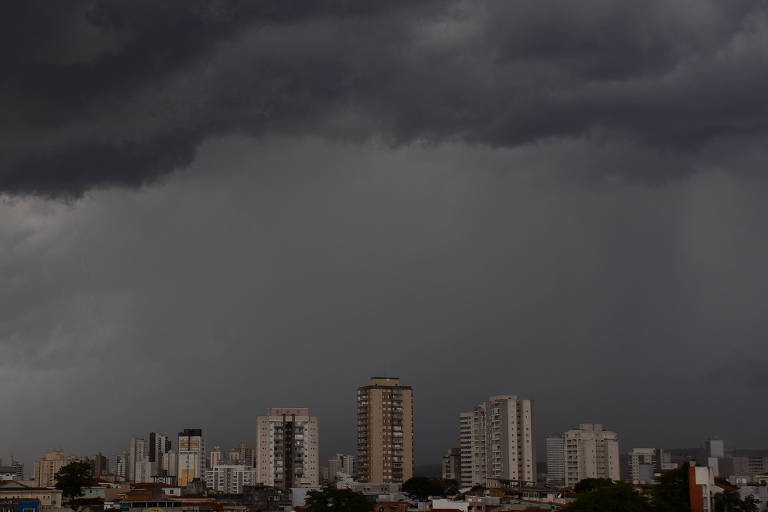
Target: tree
{"points": [[477, 490], [421, 487], [330, 499], [614, 497], [731, 501], [450, 486], [71, 478], [671, 494], [591, 484]]}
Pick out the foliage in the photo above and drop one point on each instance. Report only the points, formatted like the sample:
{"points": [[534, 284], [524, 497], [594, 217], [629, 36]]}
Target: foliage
{"points": [[671, 494], [421, 487], [732, 502], [613, 497], [450, 486], [591, 484], [71, 478], [330, 499], [477, 490]]}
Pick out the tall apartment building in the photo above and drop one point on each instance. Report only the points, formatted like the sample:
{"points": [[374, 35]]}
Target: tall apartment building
{"points": [[216, 457], [385, 431], [13, 471], [121, 465], [138, 454], [288, 448], [341, 463], [451, 467], [99, 465], [230, 478], [47, 467], [246, 454], [497, 442], [591, 452], [159, 446], [642, 465], [191, 456], [555, 460], [465, 448]]}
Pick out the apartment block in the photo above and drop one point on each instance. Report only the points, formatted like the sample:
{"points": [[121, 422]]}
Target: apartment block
{"points": [[643, 465], [451, 466], [591, 452], [501, 445], [385, 431], [288, 448], [47, 467], [230, 478], [191, 458], [555, 445]]}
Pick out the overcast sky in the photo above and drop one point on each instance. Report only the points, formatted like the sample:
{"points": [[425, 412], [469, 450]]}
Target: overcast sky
{"points": [[210, 208]]}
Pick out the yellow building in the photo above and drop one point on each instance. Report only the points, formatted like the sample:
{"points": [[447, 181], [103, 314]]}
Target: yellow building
{"points": [[385, 431], [47, 467], [191, 456]]}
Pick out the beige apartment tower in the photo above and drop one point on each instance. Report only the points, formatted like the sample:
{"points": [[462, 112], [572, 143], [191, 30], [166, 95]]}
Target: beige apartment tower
{"points": [[47, 467], [288, 448], [591, 452], [497, 444], [385, 431]]}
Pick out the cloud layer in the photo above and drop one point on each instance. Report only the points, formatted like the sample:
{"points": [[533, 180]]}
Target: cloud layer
{"points": [[117, 94]]}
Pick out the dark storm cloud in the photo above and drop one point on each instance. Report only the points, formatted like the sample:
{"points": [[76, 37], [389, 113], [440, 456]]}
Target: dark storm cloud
{"points": [[116, 93]]}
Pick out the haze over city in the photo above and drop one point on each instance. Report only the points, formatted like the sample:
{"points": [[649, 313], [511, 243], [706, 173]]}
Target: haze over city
{"points": [[210, 209]]}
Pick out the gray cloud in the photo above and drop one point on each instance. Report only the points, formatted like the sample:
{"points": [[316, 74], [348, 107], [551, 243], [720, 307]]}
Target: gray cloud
{"points": [[286, 272], [109, 93]]}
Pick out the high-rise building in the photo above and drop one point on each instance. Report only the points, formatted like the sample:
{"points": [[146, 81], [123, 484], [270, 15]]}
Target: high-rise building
{"points": [[47, 467], [340, 463], [465, 447], [233, 456], [501, 446], [172, 466], [452, 464], [121, 465], [642, 465], [591, 452], [385, 431], [99, 465], [715, 447], [159, 446], [555, 460], [13, 471], [191, 448], [216, 457], [288, 448], [247, 455], [137, 454], [230, 478]]}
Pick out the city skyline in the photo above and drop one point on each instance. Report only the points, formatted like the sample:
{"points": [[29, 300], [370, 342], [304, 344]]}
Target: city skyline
{"points": [[210, 208]]}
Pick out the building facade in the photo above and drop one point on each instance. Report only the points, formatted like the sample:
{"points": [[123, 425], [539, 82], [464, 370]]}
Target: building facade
{"points": [[216, 457], [555, 445], [137, 454], [191, 456], [451, 467], [500, 445], [591, 452], [47, 467], [288, 448], [643, 465], [159, 446], [340, 463], [385, 431], [230, 478], [465, 447]]}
